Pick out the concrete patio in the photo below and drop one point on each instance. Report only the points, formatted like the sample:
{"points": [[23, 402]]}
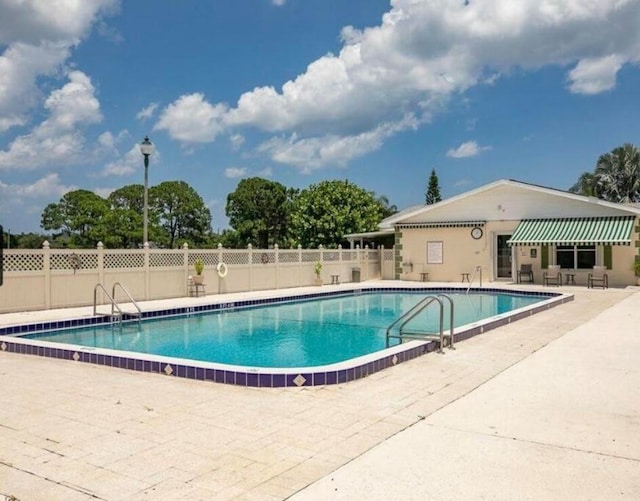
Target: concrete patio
{"points": [[545, 408]]}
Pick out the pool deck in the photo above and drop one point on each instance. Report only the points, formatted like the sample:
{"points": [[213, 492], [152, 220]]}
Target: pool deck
{"points": [[547, 407]]}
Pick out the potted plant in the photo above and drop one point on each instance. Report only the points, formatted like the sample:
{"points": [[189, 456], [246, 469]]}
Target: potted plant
{"points": [[636, 270], [198, 265], [317, 268]]}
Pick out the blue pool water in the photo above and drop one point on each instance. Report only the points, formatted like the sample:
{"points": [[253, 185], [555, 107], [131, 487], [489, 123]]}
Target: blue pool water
{"points": [[295, 334]]}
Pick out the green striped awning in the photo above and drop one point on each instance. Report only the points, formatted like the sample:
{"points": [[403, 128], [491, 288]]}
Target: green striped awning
{"points": [[442, 224], [615, 230]]}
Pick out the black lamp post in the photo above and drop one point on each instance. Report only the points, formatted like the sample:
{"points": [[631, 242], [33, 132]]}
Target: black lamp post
{"points": [[146, 148]]}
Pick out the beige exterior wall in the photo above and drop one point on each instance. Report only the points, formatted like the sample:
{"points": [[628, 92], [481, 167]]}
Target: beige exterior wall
{"points": [[461, 254]]}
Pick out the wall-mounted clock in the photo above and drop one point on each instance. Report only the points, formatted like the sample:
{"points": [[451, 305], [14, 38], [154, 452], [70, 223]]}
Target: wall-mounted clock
{"points": [[476, 233]]}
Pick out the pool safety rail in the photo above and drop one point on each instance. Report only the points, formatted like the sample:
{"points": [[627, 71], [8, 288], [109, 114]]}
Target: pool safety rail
{"points": [[402, 321], [120, 314], [477, 269]]}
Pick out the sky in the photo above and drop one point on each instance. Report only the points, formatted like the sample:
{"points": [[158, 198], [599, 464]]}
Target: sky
{"points": [[379, 92]]}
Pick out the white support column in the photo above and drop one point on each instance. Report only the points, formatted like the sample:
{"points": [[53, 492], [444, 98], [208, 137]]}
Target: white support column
{"points": [[276, 258], [46, 268], [185, 266], [250, 257], [147, 283]]}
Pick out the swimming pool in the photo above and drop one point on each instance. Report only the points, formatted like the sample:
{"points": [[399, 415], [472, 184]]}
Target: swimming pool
{"points": [[302, 333], [335, 338]]}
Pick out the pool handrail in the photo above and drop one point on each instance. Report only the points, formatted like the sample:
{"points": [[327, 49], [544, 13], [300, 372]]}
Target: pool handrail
{"points": [[133, 301], [417, 309], [473, 275], [114, 304]]}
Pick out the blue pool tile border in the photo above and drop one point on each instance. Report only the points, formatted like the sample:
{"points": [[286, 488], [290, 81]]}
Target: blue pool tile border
{"points": [[11, 342]]}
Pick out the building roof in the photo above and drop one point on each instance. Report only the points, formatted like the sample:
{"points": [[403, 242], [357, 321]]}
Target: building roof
{"points": [[508, 199]]}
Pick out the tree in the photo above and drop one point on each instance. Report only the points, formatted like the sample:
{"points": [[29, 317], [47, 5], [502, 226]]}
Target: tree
{"points": [[78, 215], [586, 185], [259, 212], [432, 194], [28, 241], [325, 212], [616, 177], [178, 214], [124, 221], [387, 208], [618, 174]]}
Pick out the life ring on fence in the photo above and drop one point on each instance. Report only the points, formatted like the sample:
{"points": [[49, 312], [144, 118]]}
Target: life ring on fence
{"points": [[264, 258], [222, 269]]}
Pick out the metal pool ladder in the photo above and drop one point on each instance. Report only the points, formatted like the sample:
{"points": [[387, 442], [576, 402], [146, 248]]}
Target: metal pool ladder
{"points": [[413, 312], [473, 276], [114, 304]]}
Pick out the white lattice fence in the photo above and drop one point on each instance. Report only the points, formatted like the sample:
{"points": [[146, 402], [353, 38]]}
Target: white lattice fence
{"points": [[166, 259], [124, 260], [70, 260], [310, 256], [55, 273], [266, 257], [210, 259], [285, 256], [23, 261], [235, 257]]}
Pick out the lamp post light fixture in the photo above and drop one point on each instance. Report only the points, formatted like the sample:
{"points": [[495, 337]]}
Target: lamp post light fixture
{"points": [[146, 148]]}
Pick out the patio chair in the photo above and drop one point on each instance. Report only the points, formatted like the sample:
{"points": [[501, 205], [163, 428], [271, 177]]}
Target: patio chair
{"points": [[598, 278], [552, 276], [525, 273]]}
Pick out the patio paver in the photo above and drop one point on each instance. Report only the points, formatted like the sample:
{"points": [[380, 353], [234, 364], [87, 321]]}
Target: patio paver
{"points": [[77, 431]]}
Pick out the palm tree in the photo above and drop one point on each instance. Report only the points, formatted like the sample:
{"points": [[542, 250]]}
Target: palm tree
{"points": [[617, 175], [586, 185]]}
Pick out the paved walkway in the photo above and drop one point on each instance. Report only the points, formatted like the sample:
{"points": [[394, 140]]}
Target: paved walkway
{"points": [[562, 424], [546, 407]]}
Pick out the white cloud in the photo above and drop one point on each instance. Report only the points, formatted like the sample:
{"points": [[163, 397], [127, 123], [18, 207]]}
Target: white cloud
{"points": [[64, 21], [32, 198], [421, 56], [235, 172], [48, 186], [104, 192], [109, 32], [58, 139], [310, 154], [593, 76], [466, 150], [38, 37], [20, 64], [192, 120], [148, 112], [266, 172], [236, 140], [127, 164], [278, 3]]}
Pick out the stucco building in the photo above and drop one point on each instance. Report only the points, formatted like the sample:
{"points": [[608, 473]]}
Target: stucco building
{"points": [[500, 226]]}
